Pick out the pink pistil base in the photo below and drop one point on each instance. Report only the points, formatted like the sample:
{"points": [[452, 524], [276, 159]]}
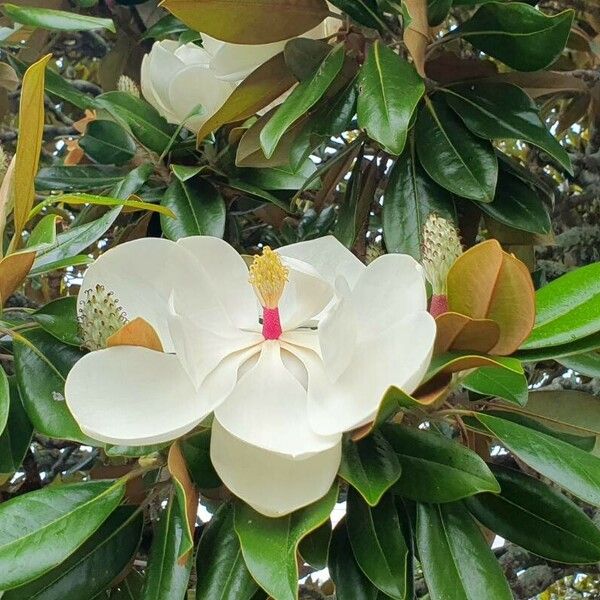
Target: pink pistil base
{"points": [[271, 329], [439, 305]]}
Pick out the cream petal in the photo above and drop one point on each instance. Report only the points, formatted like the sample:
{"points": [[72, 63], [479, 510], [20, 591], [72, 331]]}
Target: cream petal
{"points": [[210, 44], [133, 396], [194, 85], [190, 54], [391, 287], [305, 337], [267, 408], [399, 356], [273, 484], [305, 295], [163, 65], [328, 256], [201, 350], [149, 93], [143, 273], [234, 62], [228, 273]]}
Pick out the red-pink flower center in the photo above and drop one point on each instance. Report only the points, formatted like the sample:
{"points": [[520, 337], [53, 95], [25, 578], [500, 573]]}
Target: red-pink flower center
{"points": [[271, 328]]}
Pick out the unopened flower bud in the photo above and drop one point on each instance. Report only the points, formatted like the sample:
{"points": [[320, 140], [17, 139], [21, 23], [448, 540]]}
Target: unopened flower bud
{"points": [[126, 84], [100, 316]]}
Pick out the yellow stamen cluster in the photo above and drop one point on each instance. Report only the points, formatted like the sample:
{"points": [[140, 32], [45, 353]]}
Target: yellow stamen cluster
{"points": [[268, 276]]}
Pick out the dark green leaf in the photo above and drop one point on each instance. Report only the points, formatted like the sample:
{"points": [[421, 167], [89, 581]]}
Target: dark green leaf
{"points": [[518, 205], [378, 543], [196, 451], [132, 182], [585, 344], [164, 27], [107, 143], [452, 156], [587, 363], [371, 466], [41, 367], [198, 207], [410, 197], [519, 35], [222, 573], [568, 466], [301, 100], [314, 548], [536, 517], [567, 309], [34, 522], [365, 12], [456, 560], [390, 90], [502, 383], [280, 178], [145, 123], [16, 436], [270, 545], [87, 178], [59, 20], [97, 563], [437, 10], [167, 577], [435, 468], [304, 56], [4, 400], [495, 110], [59, 318]]}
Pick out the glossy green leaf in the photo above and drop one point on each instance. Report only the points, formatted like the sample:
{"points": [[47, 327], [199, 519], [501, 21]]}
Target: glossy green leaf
{"points": [[573, 469], [585, 344], [365, 12], [164, 27], [63, 263], [196, 451], [410, 197], [587, 363], [4, 399], [378, 543], [435, 468], [451, 362], [72, 241], [58, 20], [496, 110], [80, 178], [260, 22], [128, 589], [222, 573], [269, 545], [501, 383], [32, 523], [371, 466], [132, 182], [59, 318], [167, 577], [303, 56], [567, 309], [107, 143], [41, 367], [15, 439], [301, 100], [390, 90], [44, 232], [148, 127], [538, 518], [453, 157], [457, 562], [314, 548], [350, 582], [437, 11], [281, 177], [518, 205], [198, 207], [97, 563], [519, 35]]}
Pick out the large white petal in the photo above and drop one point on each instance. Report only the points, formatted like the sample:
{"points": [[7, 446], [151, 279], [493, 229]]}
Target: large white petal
{"points": [[328, 256], [190, 54], [163, 65], [399, 356], [143, 273], [229, 275], [268, 409], [194, 85], [305, 295], [149, 93], [234, 62], [133, 396], [273, 484]]}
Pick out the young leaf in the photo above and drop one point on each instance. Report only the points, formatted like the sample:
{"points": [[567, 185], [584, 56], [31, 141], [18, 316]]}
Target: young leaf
{"points": [[269, 545], [58, 20], [435, 468], [32, 522], [457, 561], [390, 90], [518, 34], [538, 518], [452, 156], [378, 543]]}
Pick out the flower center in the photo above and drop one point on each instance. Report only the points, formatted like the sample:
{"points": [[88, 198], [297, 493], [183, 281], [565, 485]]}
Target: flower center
{"points": [[268, 277]]}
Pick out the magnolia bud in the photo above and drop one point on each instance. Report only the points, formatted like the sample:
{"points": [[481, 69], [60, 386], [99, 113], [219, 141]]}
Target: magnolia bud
{"points": [[126, 84], [100, 316]]}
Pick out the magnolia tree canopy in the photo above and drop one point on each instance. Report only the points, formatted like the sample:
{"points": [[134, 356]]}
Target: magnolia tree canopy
{"points": [[273, 303]]}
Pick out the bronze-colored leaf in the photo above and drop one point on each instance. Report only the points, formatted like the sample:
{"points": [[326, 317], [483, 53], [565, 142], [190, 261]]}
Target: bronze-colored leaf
{"points": [[13, 270], [136, 333], [416, 35], [460, 332]]}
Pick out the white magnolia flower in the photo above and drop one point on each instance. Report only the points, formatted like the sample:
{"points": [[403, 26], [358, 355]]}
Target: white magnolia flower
{"points": [[285, 375], [176, 78]]}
